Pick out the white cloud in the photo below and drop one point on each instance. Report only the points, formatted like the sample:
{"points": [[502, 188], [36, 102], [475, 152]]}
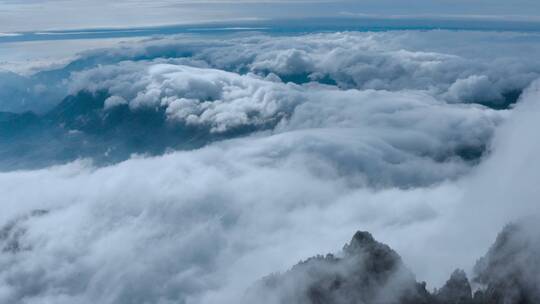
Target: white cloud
{"points": [[196, 225], [187, 224], [201, 226], [225, 101], [114, 101], [391, 61], [455, 66], [473, 88], [432, 61]]}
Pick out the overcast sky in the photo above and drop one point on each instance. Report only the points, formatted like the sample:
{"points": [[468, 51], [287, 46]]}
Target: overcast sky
{"points": [[25, 15]]}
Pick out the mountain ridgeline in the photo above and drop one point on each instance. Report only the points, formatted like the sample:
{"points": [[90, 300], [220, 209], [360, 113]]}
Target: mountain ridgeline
{"points": [[369, 272], [83, 127], [80, 127]]}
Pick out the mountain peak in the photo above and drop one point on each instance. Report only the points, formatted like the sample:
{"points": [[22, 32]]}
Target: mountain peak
{"points": [[456, 290]]}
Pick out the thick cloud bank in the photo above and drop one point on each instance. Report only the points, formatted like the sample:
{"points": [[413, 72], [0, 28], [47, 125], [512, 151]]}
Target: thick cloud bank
{"points": [[473, 67], [149, 106], [187, 170]]}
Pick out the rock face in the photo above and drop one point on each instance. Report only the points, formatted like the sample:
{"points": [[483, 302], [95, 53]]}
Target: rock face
{"points": [[369, 272], [366, 272], [457, 290], [510, 271]]}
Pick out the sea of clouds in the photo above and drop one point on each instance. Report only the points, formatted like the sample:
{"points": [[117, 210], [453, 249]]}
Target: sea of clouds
{"points": [[410, 135], [481, 67]]}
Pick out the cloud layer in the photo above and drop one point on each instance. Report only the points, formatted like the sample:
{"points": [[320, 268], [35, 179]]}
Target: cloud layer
{"points": [[390, 137], [46, 14], [453, 66]]}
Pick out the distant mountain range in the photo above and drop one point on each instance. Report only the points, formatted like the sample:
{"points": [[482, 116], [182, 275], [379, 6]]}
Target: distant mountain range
{"points": [[80, 127]]}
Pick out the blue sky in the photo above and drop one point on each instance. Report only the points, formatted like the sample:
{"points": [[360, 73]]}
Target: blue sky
{"points": [[68, 14]]}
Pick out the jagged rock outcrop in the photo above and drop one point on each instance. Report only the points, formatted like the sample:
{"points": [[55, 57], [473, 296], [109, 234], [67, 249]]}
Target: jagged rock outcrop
{"points": [[457, 290], [369, 272], [365, 272], [510, 271]]}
